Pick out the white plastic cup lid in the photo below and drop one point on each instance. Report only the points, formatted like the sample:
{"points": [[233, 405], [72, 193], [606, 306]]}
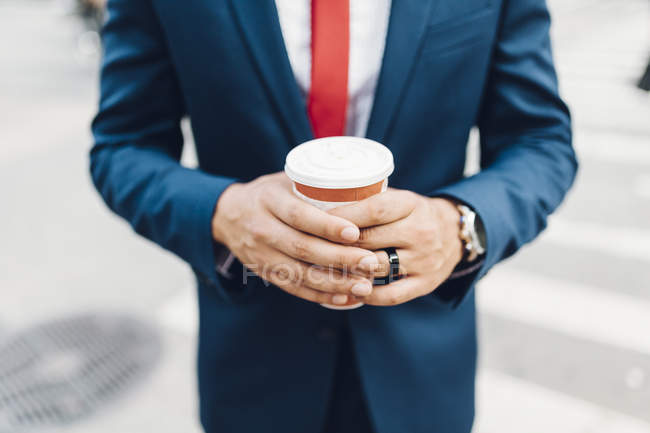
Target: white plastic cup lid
{"points": [[339, 162]]}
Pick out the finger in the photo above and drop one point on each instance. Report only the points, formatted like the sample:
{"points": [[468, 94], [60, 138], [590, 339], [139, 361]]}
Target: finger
{"points": [[296, 289], [384, 208], [313, 250], [290, 276], [397, 293], [394, 235], [317, 277], [309, 219], [383, 270], [314, 277], [332, 281]]}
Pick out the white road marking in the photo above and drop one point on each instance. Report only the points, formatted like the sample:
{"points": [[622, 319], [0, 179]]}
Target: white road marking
{"points": [[570, 308], [613, 147], [626, 242], [509, 405], [642, 186], [473, 156], [189, 157], [180, 312]]}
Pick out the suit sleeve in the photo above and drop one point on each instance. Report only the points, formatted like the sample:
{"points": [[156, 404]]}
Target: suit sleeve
{"points": [[527, 159], [134, 162]]}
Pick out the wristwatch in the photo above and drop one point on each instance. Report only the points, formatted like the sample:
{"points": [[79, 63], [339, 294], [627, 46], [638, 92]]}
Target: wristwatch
{"points": [[472, 233]]}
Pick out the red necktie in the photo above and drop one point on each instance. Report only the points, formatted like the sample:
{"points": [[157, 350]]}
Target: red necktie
{"points": [[330, 47]]}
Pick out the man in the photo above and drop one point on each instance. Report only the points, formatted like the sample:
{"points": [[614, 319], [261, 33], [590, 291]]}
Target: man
{"points": [[259, 77]]}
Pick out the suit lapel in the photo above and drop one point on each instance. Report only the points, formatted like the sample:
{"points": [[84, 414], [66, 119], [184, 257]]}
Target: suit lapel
{"points": [[407, 25], [259, 24]]}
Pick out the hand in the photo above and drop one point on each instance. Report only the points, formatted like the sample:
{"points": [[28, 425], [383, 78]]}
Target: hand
{"points": [[425, 232], [278, 236]]}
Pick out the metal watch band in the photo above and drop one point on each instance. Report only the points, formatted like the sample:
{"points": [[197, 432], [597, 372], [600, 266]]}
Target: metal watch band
{"points": [[468, 233]]}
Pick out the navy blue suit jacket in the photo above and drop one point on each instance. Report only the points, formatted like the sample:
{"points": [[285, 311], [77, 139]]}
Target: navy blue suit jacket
{"points": [[265, 357]]}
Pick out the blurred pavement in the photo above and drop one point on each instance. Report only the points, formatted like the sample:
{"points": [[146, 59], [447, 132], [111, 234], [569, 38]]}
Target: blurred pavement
{"points": [[565, 325]]}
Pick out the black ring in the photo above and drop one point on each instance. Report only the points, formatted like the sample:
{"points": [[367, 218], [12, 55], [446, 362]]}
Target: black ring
{"points": [[393, 263]]}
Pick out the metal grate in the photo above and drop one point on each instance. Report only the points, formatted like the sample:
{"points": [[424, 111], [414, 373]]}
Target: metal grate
{"points": [[64, 370]]}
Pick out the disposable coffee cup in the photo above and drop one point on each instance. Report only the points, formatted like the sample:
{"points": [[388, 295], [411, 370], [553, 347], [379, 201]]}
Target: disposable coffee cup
{"points": [[335, 171]]}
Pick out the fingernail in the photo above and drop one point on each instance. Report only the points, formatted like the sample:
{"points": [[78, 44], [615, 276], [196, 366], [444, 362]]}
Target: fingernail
{"points": [[339, 299], [361, 289], [350, 233], [369, 262]]}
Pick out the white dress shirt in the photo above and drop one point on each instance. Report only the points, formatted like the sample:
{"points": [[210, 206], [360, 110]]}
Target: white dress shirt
{"points": [[368, 28]]}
